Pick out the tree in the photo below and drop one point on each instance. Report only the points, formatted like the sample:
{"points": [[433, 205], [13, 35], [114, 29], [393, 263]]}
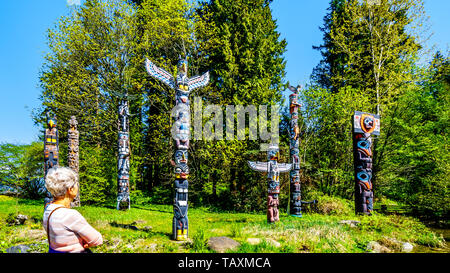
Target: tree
{"points": [[10, 156], [22, 168], [87, 73], [165, 34], [415, 166], [369, 53], [332, 62], [238, 42], [369, 45]]}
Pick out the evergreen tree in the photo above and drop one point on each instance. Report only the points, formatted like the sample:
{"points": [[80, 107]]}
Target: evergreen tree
{"points": [[369, 45], [239, 44]]}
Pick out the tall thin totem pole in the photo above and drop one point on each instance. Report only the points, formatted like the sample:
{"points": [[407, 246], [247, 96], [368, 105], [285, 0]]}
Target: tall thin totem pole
{"points": [[295, 206], [181, 134], [73, 157], [51, 149], [123, 160], [273, 170], [364, 126]]}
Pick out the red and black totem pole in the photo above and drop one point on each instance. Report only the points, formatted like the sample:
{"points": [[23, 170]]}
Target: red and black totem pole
{"points": [[364, 126]]}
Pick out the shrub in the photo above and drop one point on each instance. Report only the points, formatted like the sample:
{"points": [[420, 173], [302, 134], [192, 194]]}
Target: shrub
{"points": [[331, 205]]}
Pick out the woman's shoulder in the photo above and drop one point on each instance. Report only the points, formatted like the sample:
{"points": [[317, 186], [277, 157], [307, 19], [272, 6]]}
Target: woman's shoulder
{"points": [[61, 210]]}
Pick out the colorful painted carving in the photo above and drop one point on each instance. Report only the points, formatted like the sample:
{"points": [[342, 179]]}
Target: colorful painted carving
{"points": [[183, 86], [364, 126], [295, 206], [123, 161], [273, 170], [51, 149], [73, 157]]}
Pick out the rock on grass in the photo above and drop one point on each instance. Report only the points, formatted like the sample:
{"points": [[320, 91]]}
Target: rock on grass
{"points": [[222, 244]]}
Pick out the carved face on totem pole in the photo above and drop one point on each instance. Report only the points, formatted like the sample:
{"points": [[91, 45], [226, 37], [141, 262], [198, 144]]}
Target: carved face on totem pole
{"points": [[182, 171], [366, 123], [181, 157]]}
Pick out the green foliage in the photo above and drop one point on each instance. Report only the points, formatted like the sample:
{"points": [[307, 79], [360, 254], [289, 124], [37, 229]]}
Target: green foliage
{"points": [[370, 46], [11, 218], [327, 144], [415, 159], [331, 205], [10, 156], [199, 241], [21, 167], [95, 176]]}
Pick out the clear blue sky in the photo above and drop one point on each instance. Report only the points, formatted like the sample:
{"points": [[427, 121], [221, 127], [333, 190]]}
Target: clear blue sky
{"points": [[23, 26]]}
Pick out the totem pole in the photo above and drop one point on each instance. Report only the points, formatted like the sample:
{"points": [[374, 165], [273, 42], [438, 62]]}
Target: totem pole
{"points": [[364, 126], [295, 208], [73, 143], [181, 134], [123, 160], [273, 170], [51, 150]]}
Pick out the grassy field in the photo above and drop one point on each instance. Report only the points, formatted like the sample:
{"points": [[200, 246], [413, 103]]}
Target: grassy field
{"points": [[147, 229]]}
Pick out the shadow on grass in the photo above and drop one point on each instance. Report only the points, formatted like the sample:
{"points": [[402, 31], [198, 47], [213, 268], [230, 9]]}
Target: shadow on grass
{"points": [[230, 220], [133, 226], [31, 202], [151, 209]]}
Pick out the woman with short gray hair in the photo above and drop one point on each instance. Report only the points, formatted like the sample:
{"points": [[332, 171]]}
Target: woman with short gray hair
{"points": [[67, 230]]}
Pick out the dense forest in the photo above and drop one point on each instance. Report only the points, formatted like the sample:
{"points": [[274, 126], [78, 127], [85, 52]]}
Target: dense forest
{"points": [[372, 61]]}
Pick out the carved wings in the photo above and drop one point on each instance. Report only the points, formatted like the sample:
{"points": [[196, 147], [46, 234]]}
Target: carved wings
{"points": [[198, 81], [167, 78], [159, 74], [258, 166], [264, 166]]}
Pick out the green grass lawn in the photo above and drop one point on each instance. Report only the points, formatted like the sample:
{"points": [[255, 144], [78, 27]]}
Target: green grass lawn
{"points": [[314, 233]]}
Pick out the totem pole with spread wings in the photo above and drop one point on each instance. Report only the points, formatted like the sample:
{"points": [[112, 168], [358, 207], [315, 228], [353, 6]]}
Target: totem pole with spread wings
{"points": [[273, 170], [182, 86]]}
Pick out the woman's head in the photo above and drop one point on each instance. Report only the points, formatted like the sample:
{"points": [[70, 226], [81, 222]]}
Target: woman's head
{"points": [[59, 180]]}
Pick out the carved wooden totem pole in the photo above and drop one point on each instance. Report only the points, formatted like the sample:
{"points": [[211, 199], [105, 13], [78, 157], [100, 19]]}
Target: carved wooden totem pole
{"points": [[51, 149], [181, 134], [295, 206], [73, 157], [273, 170], [123, 160], [364, 126]]}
